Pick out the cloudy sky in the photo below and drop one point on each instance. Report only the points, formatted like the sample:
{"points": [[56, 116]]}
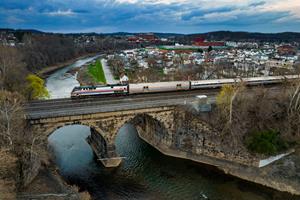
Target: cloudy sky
{"points": [[180, 16]]}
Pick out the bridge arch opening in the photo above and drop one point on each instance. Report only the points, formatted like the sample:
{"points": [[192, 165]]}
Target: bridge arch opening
{"points": [[70, 150], [67, 141], [147, 128]]}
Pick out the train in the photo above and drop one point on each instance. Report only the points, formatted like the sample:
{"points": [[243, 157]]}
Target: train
{"points": [[156, 87]]}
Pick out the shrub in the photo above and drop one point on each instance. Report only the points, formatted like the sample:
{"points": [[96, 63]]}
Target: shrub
{"points": [[36, 87], [266, 142]]}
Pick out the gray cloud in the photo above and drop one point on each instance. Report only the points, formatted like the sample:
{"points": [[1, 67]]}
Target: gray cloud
{"points": [[135, 15]]}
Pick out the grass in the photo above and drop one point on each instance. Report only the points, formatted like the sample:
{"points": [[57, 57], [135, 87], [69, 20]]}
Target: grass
{"points": [[96, 71]]}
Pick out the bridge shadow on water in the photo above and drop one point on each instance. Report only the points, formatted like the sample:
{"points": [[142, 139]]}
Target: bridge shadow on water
{"points": [[145, 173]]}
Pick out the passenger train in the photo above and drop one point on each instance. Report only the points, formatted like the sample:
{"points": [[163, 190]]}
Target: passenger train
{"points": [[141, 88]]}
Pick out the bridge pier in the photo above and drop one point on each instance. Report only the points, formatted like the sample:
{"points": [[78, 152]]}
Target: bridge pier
{"points": [[104, 150]]}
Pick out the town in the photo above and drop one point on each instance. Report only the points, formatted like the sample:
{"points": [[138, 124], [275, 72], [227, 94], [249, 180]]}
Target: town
{"points": [[205, 60], [150, 57]]}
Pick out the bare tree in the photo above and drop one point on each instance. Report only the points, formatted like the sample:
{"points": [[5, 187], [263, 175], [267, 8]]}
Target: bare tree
{"points": [[11, 113], [12, 69], [16, 138], [294, 110]]}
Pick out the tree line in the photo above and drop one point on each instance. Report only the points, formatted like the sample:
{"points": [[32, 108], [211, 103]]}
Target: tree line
{"points": [[18, 145], [41, 51]]}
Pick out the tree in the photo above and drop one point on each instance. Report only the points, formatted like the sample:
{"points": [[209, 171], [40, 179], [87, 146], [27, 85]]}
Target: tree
{"points": [[35, 87], [17, 139], [12, 69], [294, 110], [224, 101], [11, 113], [226, 97]]}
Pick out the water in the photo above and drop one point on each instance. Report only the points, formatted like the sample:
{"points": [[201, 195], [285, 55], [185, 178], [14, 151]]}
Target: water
{"points": [[61, 83], [145, 173]]}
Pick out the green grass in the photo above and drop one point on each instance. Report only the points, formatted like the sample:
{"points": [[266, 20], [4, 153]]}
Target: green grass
{"points": [[96, 71]]}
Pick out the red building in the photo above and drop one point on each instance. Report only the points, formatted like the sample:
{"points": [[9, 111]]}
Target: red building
{"points": [[133, 39], [201, 42], [148, 37], [286, 50], [143, 37]]}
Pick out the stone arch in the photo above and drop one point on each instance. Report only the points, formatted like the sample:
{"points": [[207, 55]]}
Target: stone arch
{"points": [[154, 128], [58, 126], [98, 139]]}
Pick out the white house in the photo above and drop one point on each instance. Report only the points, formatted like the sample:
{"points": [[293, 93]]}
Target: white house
{"points": [[124, 79]]}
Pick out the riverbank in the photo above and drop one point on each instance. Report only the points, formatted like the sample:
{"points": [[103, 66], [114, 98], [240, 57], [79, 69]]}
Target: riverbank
{"points": [[49, 185], [84, 77], [283, 175], [46, 72], [97, 74]]}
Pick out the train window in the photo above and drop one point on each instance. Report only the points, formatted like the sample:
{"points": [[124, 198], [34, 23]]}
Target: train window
{"points": [[178, 85], [146, 87]]}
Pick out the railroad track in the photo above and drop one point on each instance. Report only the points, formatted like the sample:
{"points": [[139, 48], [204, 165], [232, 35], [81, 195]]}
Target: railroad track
{"points": [[53, 103], [66, 107], [47, 104]]}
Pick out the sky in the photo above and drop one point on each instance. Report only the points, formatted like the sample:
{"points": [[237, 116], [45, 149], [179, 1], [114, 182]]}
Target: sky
{"points": [[169, 16]]}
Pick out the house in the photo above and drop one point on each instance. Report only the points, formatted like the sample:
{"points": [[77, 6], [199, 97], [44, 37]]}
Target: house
{"points": [[286, 50], [124, 79]]}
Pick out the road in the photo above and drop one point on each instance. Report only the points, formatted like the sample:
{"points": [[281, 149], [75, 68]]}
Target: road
{"points": [[108, 75]]}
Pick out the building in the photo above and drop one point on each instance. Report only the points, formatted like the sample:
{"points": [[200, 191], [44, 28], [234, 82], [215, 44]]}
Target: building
{"points": [[124, 79], [286, 50], [202, 43], [148, 37], [143, 37]]}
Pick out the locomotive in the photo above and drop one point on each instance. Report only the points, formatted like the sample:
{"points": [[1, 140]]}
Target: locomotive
{"points": [[155, 87]]}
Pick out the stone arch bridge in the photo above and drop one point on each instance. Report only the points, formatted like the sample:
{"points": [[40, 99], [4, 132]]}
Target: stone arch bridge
{"points": [[153, 124]]}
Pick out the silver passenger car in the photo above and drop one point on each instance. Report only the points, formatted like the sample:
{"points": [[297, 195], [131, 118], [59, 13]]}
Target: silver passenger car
{"points": [[158, 87], [214, 83]]}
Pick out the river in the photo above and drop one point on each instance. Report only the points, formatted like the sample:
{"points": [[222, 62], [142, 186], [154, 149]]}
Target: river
{"points": [[61, 83], [145, 173]]}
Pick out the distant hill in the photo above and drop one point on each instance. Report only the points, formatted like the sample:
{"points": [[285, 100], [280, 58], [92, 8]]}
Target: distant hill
{"points": [[217, 35], [247, 36], [20, 30]]}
